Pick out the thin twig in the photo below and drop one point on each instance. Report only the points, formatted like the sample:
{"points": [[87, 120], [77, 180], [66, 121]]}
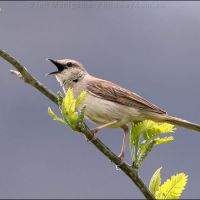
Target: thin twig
{"points": [[132, 173]]}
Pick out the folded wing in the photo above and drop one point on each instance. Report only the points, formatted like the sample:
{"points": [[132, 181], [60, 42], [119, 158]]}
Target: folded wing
{"points": [[112, 92]]}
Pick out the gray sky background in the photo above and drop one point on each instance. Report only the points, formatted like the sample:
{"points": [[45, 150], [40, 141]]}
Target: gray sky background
{"points": [[151, 48]]}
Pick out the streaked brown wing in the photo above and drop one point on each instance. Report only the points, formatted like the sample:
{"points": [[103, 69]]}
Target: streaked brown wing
{"points": [[112, 92]]}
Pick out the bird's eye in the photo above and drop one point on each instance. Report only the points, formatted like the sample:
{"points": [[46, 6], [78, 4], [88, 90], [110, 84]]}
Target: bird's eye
{"points": [[69, 64]]}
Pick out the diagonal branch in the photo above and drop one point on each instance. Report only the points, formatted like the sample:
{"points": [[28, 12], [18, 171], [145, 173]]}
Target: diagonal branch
{"points": [[132, 173], [23, 74]]}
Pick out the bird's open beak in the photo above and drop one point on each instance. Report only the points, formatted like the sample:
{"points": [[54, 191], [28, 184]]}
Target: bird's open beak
{"points": [[59, 66]]}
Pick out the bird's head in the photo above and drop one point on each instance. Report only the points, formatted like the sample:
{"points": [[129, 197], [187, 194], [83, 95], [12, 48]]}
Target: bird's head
{"points": [[69, 72]]}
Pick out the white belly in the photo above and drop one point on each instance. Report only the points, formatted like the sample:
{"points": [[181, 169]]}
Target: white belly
{"points": [[102, 111]]}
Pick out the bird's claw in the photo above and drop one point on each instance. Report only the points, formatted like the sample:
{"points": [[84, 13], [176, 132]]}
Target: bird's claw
{"points": [[121, 156], [93, 132]]}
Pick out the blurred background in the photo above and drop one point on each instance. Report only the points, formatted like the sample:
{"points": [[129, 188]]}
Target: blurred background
{"points": [[151, 48]]}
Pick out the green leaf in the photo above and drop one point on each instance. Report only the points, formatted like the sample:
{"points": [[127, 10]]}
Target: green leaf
{"points": [[80, 98], [71, 108], [68, 108], [66, 104], [51, 113], [60, 99], [163, 140], [141, 138], [135, 130], [73, 119], [148, 129], [135, 134], [68, 99], [82, 113], [173, 188], [54, 116], [156, 128], [155, 181], [64, 112], [143, 151]]}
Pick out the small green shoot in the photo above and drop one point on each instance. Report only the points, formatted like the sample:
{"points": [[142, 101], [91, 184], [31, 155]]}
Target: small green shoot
{"points": [[143, 137], [68, 107]]}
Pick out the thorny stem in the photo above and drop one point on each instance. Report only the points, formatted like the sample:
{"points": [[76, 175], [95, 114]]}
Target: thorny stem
{"points": [[132, 173]]}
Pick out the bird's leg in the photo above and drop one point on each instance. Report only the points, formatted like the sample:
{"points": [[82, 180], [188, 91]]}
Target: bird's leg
{"points": [[125, 140], [95, 130]]}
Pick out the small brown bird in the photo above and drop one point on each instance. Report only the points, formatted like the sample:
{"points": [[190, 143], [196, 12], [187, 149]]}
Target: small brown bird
{"points": [[108, 104]]}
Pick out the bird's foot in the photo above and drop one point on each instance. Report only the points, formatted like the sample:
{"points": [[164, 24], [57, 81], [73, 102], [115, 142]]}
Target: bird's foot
{"points": [[121, 156], [93, 132]]}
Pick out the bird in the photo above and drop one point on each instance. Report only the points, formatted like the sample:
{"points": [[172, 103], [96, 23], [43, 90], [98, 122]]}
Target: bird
{"points": [[109, 105]]}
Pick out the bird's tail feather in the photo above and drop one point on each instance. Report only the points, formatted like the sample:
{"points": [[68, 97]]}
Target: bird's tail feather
{"points": [[182, 123]]}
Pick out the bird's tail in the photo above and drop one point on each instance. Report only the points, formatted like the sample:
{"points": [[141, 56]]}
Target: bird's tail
{"points": [[182, 123]]}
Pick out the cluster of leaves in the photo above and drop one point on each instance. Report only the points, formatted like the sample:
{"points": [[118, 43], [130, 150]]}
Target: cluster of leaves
{"points": [[171, 189], [68, 108], [143, 137]]}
